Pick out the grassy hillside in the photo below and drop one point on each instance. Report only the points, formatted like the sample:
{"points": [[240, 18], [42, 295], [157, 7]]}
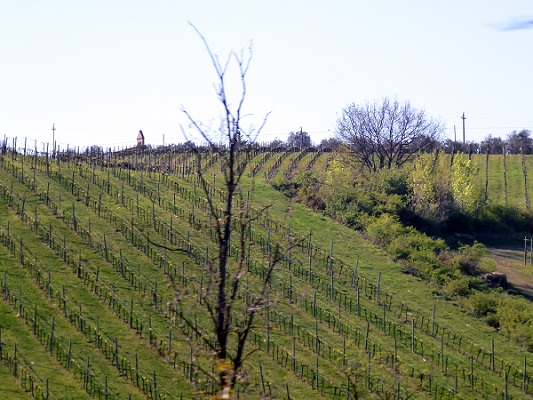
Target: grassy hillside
{"points": [[89, 301], [496, 177]]}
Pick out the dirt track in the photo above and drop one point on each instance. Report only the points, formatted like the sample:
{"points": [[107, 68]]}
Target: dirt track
{"points": [[511, 263]]}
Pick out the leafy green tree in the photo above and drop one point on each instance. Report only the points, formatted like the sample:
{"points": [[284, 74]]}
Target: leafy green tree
{"points": [[467, 194], [337, 186], [430, 187]]}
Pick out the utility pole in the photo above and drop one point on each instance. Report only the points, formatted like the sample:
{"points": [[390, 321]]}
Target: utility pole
{"points": [[53, 139], [463, 118], [454, 134]]}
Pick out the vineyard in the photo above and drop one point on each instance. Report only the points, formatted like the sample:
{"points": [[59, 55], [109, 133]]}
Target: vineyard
{"points": [[89, 279], [504, 178]]}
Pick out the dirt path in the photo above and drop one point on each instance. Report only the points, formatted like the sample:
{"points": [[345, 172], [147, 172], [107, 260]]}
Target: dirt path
{"points": [[511, 263]]}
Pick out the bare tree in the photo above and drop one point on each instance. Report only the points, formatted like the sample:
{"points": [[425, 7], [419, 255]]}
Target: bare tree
{"points": [[520, 142], [232, 218], [300, 139], [491, 144], [386, 134]]}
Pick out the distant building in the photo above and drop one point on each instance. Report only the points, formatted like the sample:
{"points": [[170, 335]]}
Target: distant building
{"points": [[140, 139]]}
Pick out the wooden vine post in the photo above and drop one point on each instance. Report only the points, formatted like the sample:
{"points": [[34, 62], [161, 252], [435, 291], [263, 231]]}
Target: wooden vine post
{"points": [[487, 175], [505, 175], [524, 171]]}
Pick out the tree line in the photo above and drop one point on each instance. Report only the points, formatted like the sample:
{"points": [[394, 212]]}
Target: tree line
{"points": [[387, 133]]}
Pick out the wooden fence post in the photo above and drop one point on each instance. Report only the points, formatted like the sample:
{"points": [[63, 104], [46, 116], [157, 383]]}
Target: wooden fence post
{"points": [[524, 170]]}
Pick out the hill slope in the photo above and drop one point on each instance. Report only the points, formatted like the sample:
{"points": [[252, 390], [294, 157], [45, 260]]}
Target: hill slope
{"points": [[86, 290]]}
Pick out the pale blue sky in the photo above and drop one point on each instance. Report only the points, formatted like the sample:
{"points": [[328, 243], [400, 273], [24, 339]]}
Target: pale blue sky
{"points": [[102, 70]]}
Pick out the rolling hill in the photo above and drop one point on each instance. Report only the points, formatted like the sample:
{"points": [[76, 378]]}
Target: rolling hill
{"points": [[90, 274]]}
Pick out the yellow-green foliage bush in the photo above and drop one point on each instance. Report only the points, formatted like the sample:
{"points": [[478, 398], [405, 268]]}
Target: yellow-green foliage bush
{"points": [[385, 228], [429, 185], [481, 304], [457, 287], [466, 192], [515, 316]]}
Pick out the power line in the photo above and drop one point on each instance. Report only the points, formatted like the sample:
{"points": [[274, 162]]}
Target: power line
{"points": [[498, 127]]}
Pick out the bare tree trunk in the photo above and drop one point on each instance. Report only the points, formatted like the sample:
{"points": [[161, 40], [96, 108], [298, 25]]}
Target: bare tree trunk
{"points": [[224, 277]]}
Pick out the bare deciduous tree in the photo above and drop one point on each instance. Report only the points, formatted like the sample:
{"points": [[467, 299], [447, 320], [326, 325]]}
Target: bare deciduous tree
{"points": [[299, 139], [232, 218], [491, 144], [386, 134], [520, 142]]}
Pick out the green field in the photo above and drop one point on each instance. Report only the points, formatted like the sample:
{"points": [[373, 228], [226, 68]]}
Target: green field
{"points": [[89, 302], [515, 178]]}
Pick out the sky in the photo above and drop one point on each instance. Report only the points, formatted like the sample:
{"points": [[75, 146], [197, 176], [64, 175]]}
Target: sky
{"points": [[99, 71]]}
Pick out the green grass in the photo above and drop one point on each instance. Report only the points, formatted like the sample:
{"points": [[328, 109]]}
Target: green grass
{"points": [[119, 194], [515, 178], [30, 353], [80, 221], [275, 201], [11, 387]]}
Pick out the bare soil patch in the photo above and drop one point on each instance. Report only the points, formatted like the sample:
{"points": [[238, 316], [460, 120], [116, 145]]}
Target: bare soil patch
{"points": [[510, 261]]}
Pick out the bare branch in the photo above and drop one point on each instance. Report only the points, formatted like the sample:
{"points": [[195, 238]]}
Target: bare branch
{"points": [[224, 278], [386, 135], [162, 246]]}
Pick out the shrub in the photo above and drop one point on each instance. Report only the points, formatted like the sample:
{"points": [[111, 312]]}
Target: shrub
{"points": [[285, 186], [457, 222], [493, 321], [457, 287], [392, 181], [468, 259], [481, 304], [500, 218], [384, 229], [491, 220], [413, 242], [356, 220], [516, 321], [308, 196], [389, 204], [428, 266], [476, 251]]}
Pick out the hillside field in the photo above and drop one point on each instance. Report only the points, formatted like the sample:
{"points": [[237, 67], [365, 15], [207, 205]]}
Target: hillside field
{"points": [[88, 301]]}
